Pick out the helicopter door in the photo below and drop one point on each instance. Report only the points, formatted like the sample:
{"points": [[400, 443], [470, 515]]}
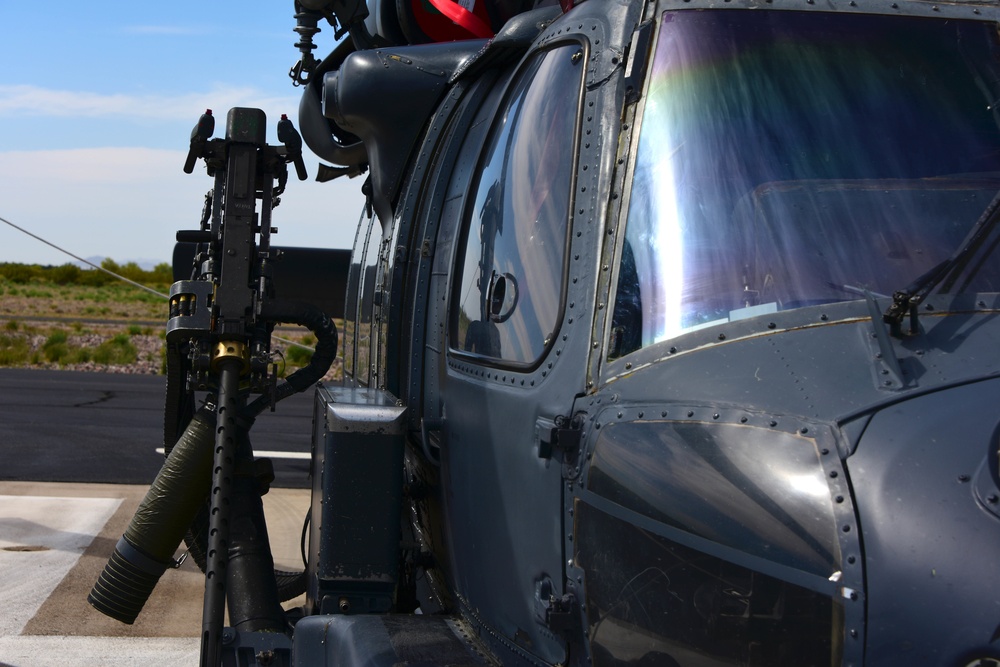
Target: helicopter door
{"points": [[504, 500]]}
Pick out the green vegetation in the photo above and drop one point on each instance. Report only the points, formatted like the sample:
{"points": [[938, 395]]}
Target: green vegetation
{"points": [[66, 317], [119, 351], [14, 350], [160, 276], [55, 348], [46, 308], [299, 356]]}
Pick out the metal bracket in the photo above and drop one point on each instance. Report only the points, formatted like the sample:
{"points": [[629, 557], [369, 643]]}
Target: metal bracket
{"points": [[562, 435], [560, 613], [638, 58], [889, 374]]}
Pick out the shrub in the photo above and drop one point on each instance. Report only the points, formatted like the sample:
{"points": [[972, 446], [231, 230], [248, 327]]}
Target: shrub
{"points": [[56, 353], [55, 349], [20, 273], [71, 274], [118, 351], [95, 278], [67, 274], [14, 350], [55, 338], [298, 356]]}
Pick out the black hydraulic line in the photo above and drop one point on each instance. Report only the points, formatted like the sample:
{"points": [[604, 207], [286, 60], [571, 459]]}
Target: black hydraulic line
{"points": [[304, 314], [251, 589], [323, 137], [179, 402], [227, 434], [146, 549]]}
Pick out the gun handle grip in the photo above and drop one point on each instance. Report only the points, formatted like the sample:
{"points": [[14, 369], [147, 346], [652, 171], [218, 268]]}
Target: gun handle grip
{"points": [[300, 168], [192, 157]]}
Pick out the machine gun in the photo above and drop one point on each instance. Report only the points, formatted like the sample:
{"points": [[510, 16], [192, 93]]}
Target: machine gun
{"points": [[218, 338]]}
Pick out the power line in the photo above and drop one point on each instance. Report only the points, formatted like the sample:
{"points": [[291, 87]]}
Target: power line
{"points": [[81, 259]]}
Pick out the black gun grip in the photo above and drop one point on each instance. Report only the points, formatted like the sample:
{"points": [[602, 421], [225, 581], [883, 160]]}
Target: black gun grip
{"points": [[289, 136], [201, 133]]}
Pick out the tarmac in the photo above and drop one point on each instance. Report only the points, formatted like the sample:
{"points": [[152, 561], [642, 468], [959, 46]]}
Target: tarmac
{"points": [[55, 539]]}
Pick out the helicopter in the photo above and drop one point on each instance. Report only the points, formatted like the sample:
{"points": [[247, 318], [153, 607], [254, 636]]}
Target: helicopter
{"points": [[669, 338]]}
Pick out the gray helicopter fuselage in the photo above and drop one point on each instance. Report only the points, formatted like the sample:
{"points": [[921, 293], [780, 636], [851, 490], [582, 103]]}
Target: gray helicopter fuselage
{"points": [[651, 411]]}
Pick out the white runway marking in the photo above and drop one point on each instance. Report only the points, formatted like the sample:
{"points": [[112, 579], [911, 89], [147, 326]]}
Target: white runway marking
{"points": [[41, 538], [300, 456], [28, 651]]}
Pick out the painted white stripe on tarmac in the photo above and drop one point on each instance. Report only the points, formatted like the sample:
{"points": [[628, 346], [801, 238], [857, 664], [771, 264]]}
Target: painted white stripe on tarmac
{"points": [[267, 453], [35, 651], [41, 539]]}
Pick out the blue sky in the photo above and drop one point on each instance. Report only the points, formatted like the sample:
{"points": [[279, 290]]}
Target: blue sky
{"points": [[97, 102]]}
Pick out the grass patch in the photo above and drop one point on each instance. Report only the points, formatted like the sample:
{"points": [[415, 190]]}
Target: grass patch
{"points": [[296, 356], [119, 351], [55, 348], [14, 350]]}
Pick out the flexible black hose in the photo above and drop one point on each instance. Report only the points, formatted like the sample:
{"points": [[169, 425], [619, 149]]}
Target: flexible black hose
{"points": [[323, 137], [314, 319], [146, 549]]}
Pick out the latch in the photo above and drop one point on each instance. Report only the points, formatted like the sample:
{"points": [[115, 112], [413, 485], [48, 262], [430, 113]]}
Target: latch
{"points": [[562, 434], [558, 613]]}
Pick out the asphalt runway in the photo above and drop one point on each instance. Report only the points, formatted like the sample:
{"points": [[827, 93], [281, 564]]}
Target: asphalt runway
{"points": [[77, 452], [67, 426]]}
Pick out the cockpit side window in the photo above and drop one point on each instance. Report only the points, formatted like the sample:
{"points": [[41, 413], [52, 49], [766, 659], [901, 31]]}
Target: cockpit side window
{"points": [[508, 292]]}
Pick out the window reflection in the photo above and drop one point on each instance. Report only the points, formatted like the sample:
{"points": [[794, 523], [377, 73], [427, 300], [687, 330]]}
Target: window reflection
{"points": [[787, 159], [366, 306], [651, 602], [508, 298], [751, 489]]}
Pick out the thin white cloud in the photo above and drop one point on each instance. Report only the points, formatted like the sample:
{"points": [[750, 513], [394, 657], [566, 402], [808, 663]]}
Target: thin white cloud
{"points": [[127, 203], [35, 101], [169, 30]]}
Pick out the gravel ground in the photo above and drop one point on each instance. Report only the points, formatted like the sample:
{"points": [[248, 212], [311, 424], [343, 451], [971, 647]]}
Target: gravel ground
{"points": [[149, 348], [149, 362]]}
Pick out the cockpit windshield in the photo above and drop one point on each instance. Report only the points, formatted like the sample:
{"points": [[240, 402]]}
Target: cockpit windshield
{"points": [[794, 158]]}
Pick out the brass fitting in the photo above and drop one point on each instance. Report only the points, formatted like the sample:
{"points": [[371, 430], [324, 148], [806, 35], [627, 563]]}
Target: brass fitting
{"points": [[231, 349]]}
